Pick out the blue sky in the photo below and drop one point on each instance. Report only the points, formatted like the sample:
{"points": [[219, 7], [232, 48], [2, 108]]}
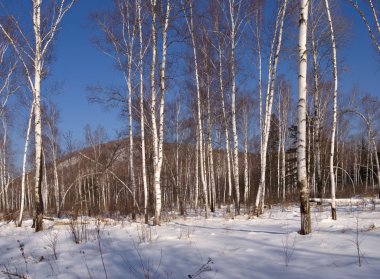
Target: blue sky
{"points": [[361, 57], [78, 64]]}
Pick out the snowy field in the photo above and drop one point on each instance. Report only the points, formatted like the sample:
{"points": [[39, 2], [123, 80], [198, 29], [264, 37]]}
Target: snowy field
{"points": [[192, 247]]}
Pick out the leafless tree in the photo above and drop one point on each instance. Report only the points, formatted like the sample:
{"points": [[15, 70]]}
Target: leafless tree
{"points": [[301, 133], [36, 55], [375, 11]]}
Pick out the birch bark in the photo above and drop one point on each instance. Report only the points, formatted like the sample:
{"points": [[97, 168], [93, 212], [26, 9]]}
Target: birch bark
{"points": [[259, 204], [301, 134], [233, 105], [142, 114], [190, 24], [158, 132], [23, 176], [317, 118], [333, 131], [227, 136]]}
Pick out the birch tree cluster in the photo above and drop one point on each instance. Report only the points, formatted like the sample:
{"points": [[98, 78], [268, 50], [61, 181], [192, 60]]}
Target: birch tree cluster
{"points": [[231, 104]]}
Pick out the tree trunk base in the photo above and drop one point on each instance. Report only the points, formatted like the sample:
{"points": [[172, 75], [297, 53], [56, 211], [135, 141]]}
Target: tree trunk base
{"points": [[237, 210], [333, 213], [305, 217], [157, 220], [38, 222], [229, 198]]}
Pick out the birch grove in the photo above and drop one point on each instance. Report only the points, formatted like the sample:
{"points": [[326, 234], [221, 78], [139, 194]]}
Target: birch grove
{"points": [[200, 134]]}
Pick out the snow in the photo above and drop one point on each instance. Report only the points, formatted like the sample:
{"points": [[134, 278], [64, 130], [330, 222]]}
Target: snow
{"points": [[193, 247]]}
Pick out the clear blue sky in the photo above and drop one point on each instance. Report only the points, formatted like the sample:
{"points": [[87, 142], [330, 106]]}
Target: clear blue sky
{"points": [[78, 64]]}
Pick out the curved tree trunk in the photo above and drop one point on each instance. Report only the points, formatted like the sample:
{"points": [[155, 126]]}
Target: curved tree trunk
{"points": [[333, 131]]}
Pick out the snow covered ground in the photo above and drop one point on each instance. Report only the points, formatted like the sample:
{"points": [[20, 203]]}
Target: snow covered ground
{"points": [[192, 247]]}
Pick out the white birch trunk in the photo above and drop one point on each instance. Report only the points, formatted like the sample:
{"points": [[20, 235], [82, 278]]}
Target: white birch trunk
{"points": [[3, 169], [316, 130], [24, 158], [246, 181], [142, 114], [301, 134], [279, 145], [284, 128], [196, 191], [199, 112], [163, 89], [39, 208], [333, 131], [233, 107], [45, 185], [377, 162], [210, 150], [158, 134], [283, 171], [259, 204], [56, 182], [131, 147], [375, 15], [221, 87], [156, 177]]}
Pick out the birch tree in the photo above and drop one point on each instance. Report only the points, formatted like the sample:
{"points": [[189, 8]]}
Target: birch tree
{"points": [[333, 131], [190, 24], [142, 112], [368, 111], [8, 86], [235, 25], [220, 43], [8, 66], [207, 58], [36, 55], [121, 29], [283, 107], [272, 71], [301, 133], [158, 131], [5, 176], [50, 119], [23, 175], [314, 16], [374, 35]]}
